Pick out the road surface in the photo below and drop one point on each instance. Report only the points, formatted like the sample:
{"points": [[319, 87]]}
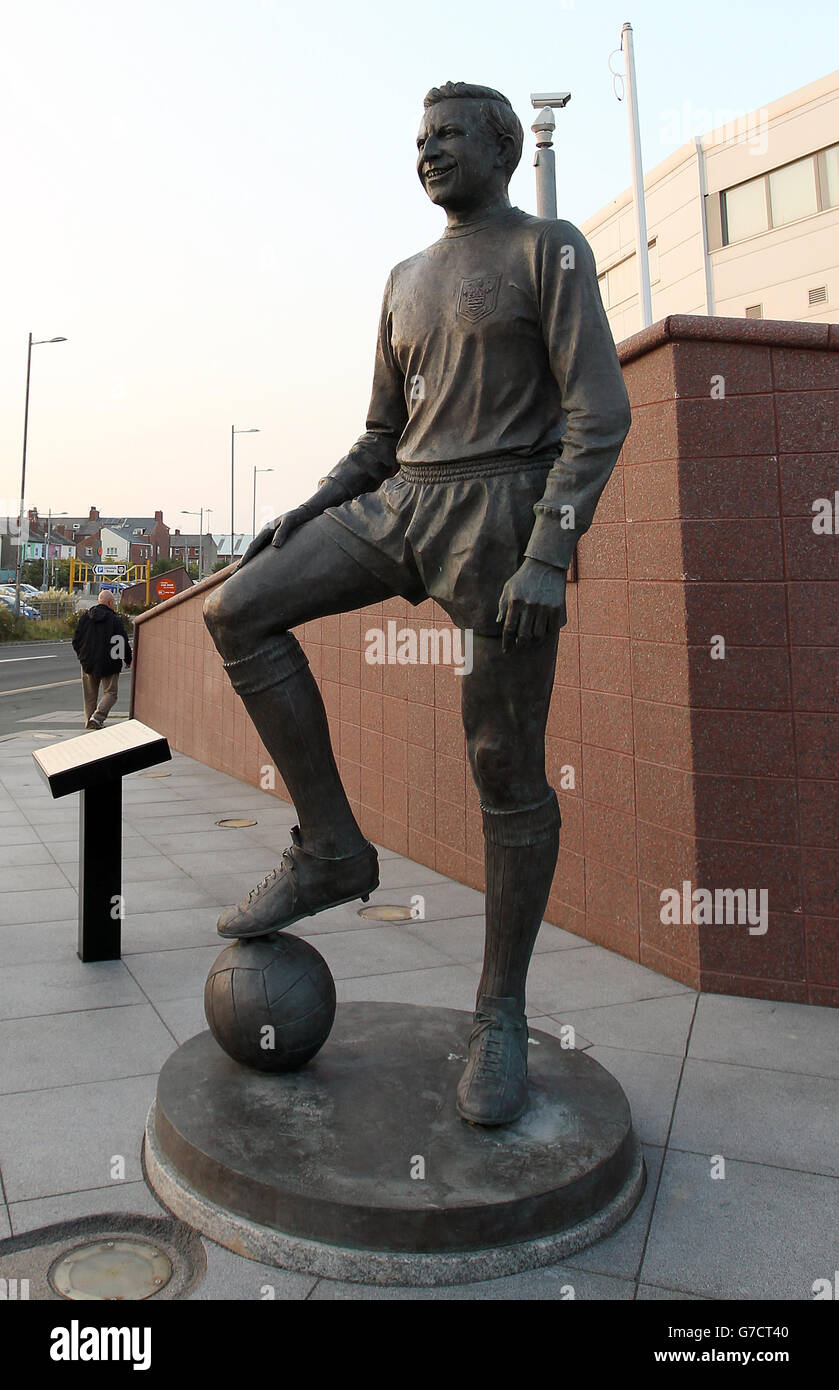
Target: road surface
{"points": [[41, 689]]}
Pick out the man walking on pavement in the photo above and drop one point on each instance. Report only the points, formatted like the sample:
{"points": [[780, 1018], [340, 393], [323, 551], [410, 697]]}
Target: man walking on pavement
{"points": [[101, 644]]}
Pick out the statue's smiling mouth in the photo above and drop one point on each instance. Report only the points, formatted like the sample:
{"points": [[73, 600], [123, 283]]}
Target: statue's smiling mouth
{"points": [[436, 171]]}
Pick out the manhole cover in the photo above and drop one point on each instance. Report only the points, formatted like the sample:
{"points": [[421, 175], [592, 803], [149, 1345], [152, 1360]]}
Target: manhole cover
{"points": [[235, 823], [111, 1269], [155, 774], [115, 1256], [386, 912]]}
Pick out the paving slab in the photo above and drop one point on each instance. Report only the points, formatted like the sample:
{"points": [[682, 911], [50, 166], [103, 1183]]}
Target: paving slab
{"points": [[650, 1081], [648, 1025], [448, 986], [166, 894], [620, 1254], [206, 841], [168, 931], [590, 975], [173, 974], [247, 859], [29, 878], [38, 905], [34, 853], [381, 950], [66, 852], [764, 1033], [147, 867], [404, 873], [65, 986], [40, 941], [559, 1028], [127, 1197], [462, 938], [183, 1017], [97, 1123], [782, 1118], [20, 834], [445, 900], [95, 1045], [231, 1277], [759, 1233]]}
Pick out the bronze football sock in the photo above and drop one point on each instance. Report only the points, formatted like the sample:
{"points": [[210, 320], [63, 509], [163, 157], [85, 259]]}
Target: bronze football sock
{"points": [[521, 849], [282, 699]]}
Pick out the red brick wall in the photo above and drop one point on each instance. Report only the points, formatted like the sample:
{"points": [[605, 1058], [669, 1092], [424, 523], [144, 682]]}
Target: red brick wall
{"points": [[724, 773]]}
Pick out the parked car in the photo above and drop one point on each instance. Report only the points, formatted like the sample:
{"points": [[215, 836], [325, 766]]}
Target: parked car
{"points": [[27, 591], [26, 609]]}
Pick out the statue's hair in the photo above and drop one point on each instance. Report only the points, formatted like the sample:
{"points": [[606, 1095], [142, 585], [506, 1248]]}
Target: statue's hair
{"points": [[496, 112]]}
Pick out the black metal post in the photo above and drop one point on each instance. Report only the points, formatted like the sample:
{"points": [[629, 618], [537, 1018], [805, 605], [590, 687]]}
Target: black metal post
{"points": [[100, 871]]}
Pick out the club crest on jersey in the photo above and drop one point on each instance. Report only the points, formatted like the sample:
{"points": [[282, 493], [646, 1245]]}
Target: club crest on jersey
{"points": [[478, 297]]}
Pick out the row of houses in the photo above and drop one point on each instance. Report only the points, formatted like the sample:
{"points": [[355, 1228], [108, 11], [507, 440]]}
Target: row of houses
{"points": [[96, 539]]}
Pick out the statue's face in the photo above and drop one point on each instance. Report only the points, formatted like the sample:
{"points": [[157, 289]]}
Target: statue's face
{"points": [[457, 155]]}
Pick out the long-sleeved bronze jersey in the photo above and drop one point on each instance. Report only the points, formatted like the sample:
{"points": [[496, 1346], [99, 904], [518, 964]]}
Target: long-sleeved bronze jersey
{"points": [[493, 344]]}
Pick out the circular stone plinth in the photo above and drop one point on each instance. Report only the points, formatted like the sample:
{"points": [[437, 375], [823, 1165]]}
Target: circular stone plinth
{"points": [[359, 1167]]}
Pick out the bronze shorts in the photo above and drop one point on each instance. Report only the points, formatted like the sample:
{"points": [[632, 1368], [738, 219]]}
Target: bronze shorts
{"points": [[454, 532]]}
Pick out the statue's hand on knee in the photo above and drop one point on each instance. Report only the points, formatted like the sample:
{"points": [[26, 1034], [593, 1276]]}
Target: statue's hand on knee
{"points": [[331, 494], [532, 604], [276, 532]]}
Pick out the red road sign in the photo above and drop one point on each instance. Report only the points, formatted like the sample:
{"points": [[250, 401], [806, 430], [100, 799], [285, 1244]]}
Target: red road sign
{"points": [[165, 588]]}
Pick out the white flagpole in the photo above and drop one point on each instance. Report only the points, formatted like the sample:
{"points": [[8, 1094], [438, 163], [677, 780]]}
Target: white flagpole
{"points": [[641, 252]]}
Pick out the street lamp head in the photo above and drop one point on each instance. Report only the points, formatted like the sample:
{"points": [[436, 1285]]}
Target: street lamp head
{"points": [[58, 340]]}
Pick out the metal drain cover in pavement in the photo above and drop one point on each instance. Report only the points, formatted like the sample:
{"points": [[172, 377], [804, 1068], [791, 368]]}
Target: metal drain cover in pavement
{"points": [[235, 823], [117, 1256], [111, 1269], [386, 912]]}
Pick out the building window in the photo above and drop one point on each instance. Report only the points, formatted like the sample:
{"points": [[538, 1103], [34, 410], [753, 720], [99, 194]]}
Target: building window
{"points": [[787, 194], [746, 213], [792, 192], [830, 176], [620, 281]]}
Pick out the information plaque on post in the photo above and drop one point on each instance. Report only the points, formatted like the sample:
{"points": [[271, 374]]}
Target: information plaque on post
{"points": [[95, 764]]}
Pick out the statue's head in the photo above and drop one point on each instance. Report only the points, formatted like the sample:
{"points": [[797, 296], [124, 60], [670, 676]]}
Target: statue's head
{"points": [[469, 143]]}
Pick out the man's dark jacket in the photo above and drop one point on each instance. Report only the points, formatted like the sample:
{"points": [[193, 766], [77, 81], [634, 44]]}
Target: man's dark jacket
{"points": [[92, 641]]}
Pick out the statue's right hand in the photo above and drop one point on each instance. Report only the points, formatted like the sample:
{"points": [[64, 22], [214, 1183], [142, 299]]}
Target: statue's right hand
{"points": [[289, 523], [276, 532], [259, 542]]}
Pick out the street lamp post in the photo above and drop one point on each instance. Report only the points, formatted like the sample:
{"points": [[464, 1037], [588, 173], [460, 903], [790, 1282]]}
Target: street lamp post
{"points": [[200, 515], [44, 581], [253, 522], [545, 158], [233, 433], [37, 342]]}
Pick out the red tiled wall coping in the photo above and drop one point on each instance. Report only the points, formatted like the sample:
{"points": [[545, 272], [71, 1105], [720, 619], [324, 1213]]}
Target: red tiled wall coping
{"points": [[724, 773]]}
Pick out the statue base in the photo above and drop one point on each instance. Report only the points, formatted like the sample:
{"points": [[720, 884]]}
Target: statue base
{"points": [[359, 1168]]}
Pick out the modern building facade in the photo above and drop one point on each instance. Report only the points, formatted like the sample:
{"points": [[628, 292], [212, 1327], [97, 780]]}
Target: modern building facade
{"points": [[742, 222]]}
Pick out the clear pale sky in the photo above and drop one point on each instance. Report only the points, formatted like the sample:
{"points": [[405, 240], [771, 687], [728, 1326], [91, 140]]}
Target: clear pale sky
{"points": [[206, 196]]}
